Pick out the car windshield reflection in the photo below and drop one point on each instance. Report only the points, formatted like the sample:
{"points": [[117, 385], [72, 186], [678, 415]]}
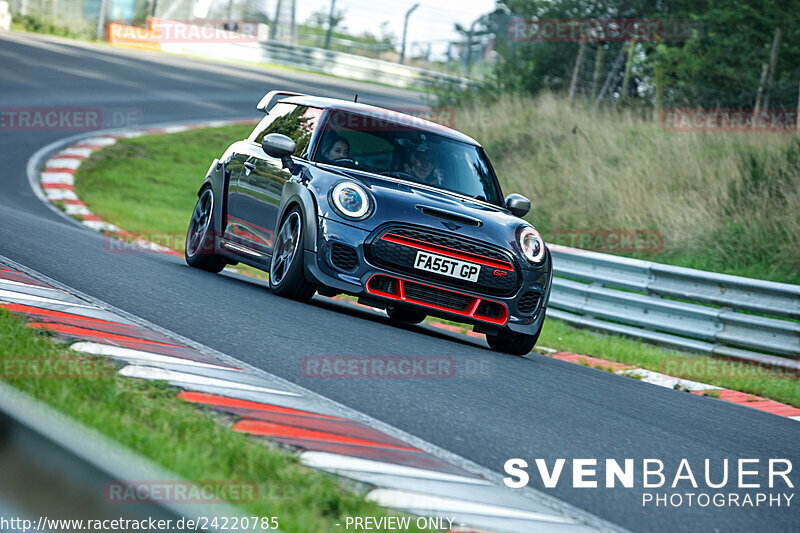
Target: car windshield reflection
{"points": [[396, 150]]}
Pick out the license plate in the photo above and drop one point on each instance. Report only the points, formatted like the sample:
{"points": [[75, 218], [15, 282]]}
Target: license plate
{"points": [[447, 266]]}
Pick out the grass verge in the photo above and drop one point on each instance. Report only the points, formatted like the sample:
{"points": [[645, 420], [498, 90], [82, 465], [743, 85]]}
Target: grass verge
{"points": [[724, 201], [147, 185], [148, 418]]}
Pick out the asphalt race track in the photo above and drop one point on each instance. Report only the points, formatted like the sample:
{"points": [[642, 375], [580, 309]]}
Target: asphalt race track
{"points": [[533, 407]]}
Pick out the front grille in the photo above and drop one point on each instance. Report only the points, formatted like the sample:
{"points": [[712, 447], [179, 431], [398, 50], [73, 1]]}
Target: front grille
{"points": [[430, 295], [344, 257], [527, 304], [400, 258]]}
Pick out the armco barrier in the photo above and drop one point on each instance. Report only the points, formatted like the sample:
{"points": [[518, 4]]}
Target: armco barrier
{"points": [[683, 308], [305, 57]]}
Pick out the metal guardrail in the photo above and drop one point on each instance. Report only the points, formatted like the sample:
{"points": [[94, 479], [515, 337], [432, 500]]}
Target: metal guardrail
{"points": [[679, 307], [319, 60]]}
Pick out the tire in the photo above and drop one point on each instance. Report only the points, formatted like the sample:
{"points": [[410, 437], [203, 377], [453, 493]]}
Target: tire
{"points": [[286, 271], [507, 341], [200, 242], [404, 314]]}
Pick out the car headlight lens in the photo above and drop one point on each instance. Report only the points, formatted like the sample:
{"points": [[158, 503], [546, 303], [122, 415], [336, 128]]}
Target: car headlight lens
{"points": [[531, 244], [350, 199]]}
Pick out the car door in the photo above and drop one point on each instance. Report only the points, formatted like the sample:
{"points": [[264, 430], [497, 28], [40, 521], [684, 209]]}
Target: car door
{"points": [[258, 189]]}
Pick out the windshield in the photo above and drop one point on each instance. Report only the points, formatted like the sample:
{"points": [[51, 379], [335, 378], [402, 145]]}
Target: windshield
{"points": [[394, 149]]}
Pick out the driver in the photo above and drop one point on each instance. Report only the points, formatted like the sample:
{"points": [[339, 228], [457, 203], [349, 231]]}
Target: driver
{"points": [[422, 164], [335, 148]]}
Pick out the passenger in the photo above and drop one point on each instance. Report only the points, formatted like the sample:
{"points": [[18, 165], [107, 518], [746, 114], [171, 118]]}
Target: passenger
{"points": [[336, 148]]}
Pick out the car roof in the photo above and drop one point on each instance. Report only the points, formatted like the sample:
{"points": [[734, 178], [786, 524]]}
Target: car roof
{"points": [[386, 114]]}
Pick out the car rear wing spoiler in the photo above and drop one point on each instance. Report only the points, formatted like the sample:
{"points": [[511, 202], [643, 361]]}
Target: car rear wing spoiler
{"points": [[271, 98]]}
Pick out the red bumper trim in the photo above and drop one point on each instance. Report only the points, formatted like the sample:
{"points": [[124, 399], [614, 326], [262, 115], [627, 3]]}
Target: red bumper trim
{"points": [[471, 311]]}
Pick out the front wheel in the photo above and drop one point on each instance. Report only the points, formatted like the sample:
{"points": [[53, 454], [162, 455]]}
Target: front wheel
{"points": [[513, 343], [286, 276], [199, 251]]}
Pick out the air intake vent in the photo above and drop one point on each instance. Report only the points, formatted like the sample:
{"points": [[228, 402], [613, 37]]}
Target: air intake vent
{"points": [[344, 257], [527, 304]]}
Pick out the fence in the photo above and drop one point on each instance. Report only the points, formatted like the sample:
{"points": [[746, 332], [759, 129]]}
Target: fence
{"points": [[716, 314]]}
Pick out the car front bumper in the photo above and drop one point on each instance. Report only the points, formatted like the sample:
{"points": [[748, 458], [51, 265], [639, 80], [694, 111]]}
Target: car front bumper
{"points": [[361, 281]]}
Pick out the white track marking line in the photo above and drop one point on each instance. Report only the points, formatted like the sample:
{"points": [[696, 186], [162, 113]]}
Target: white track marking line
{"points": [[129, 354], [401, 499], [332, 461], [149, 372]]}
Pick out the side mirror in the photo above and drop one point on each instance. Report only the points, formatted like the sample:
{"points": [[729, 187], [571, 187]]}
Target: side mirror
{"points": [[518, 205], [278, 145]]}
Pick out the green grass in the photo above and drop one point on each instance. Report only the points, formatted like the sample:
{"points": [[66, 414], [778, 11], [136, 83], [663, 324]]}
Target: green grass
{"points": [[148, 184], [725, 202], [148, 418]]}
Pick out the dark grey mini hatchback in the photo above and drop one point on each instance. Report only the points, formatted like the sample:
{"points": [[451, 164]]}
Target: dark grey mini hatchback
{"points": [[331, 196]]}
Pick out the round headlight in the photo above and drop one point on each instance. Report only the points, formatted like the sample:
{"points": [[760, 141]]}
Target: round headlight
{"points": [[350, 199], [531, 244]]}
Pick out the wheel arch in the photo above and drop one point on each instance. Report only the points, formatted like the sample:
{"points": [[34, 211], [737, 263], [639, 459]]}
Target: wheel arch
{"points": [[216, 178], [297, 194]]}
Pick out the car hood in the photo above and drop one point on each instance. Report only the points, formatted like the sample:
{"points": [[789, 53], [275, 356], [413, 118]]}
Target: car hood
{"points": [[403, 202]]}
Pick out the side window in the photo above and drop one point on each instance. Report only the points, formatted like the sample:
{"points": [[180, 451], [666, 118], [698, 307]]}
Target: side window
{"points": [[295, 121]]}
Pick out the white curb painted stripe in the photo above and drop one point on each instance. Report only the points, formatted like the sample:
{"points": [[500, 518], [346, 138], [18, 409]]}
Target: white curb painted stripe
{"points": [[60, 194], [400, 499], [176, 129], [99, 141], [795, 418], [12, 296], [58, 177], [129, 354], [63, 162], [76, 209], [663, 380], [82, 152], [338, 463], [16, 284], [149, 372], [99, 225]]}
